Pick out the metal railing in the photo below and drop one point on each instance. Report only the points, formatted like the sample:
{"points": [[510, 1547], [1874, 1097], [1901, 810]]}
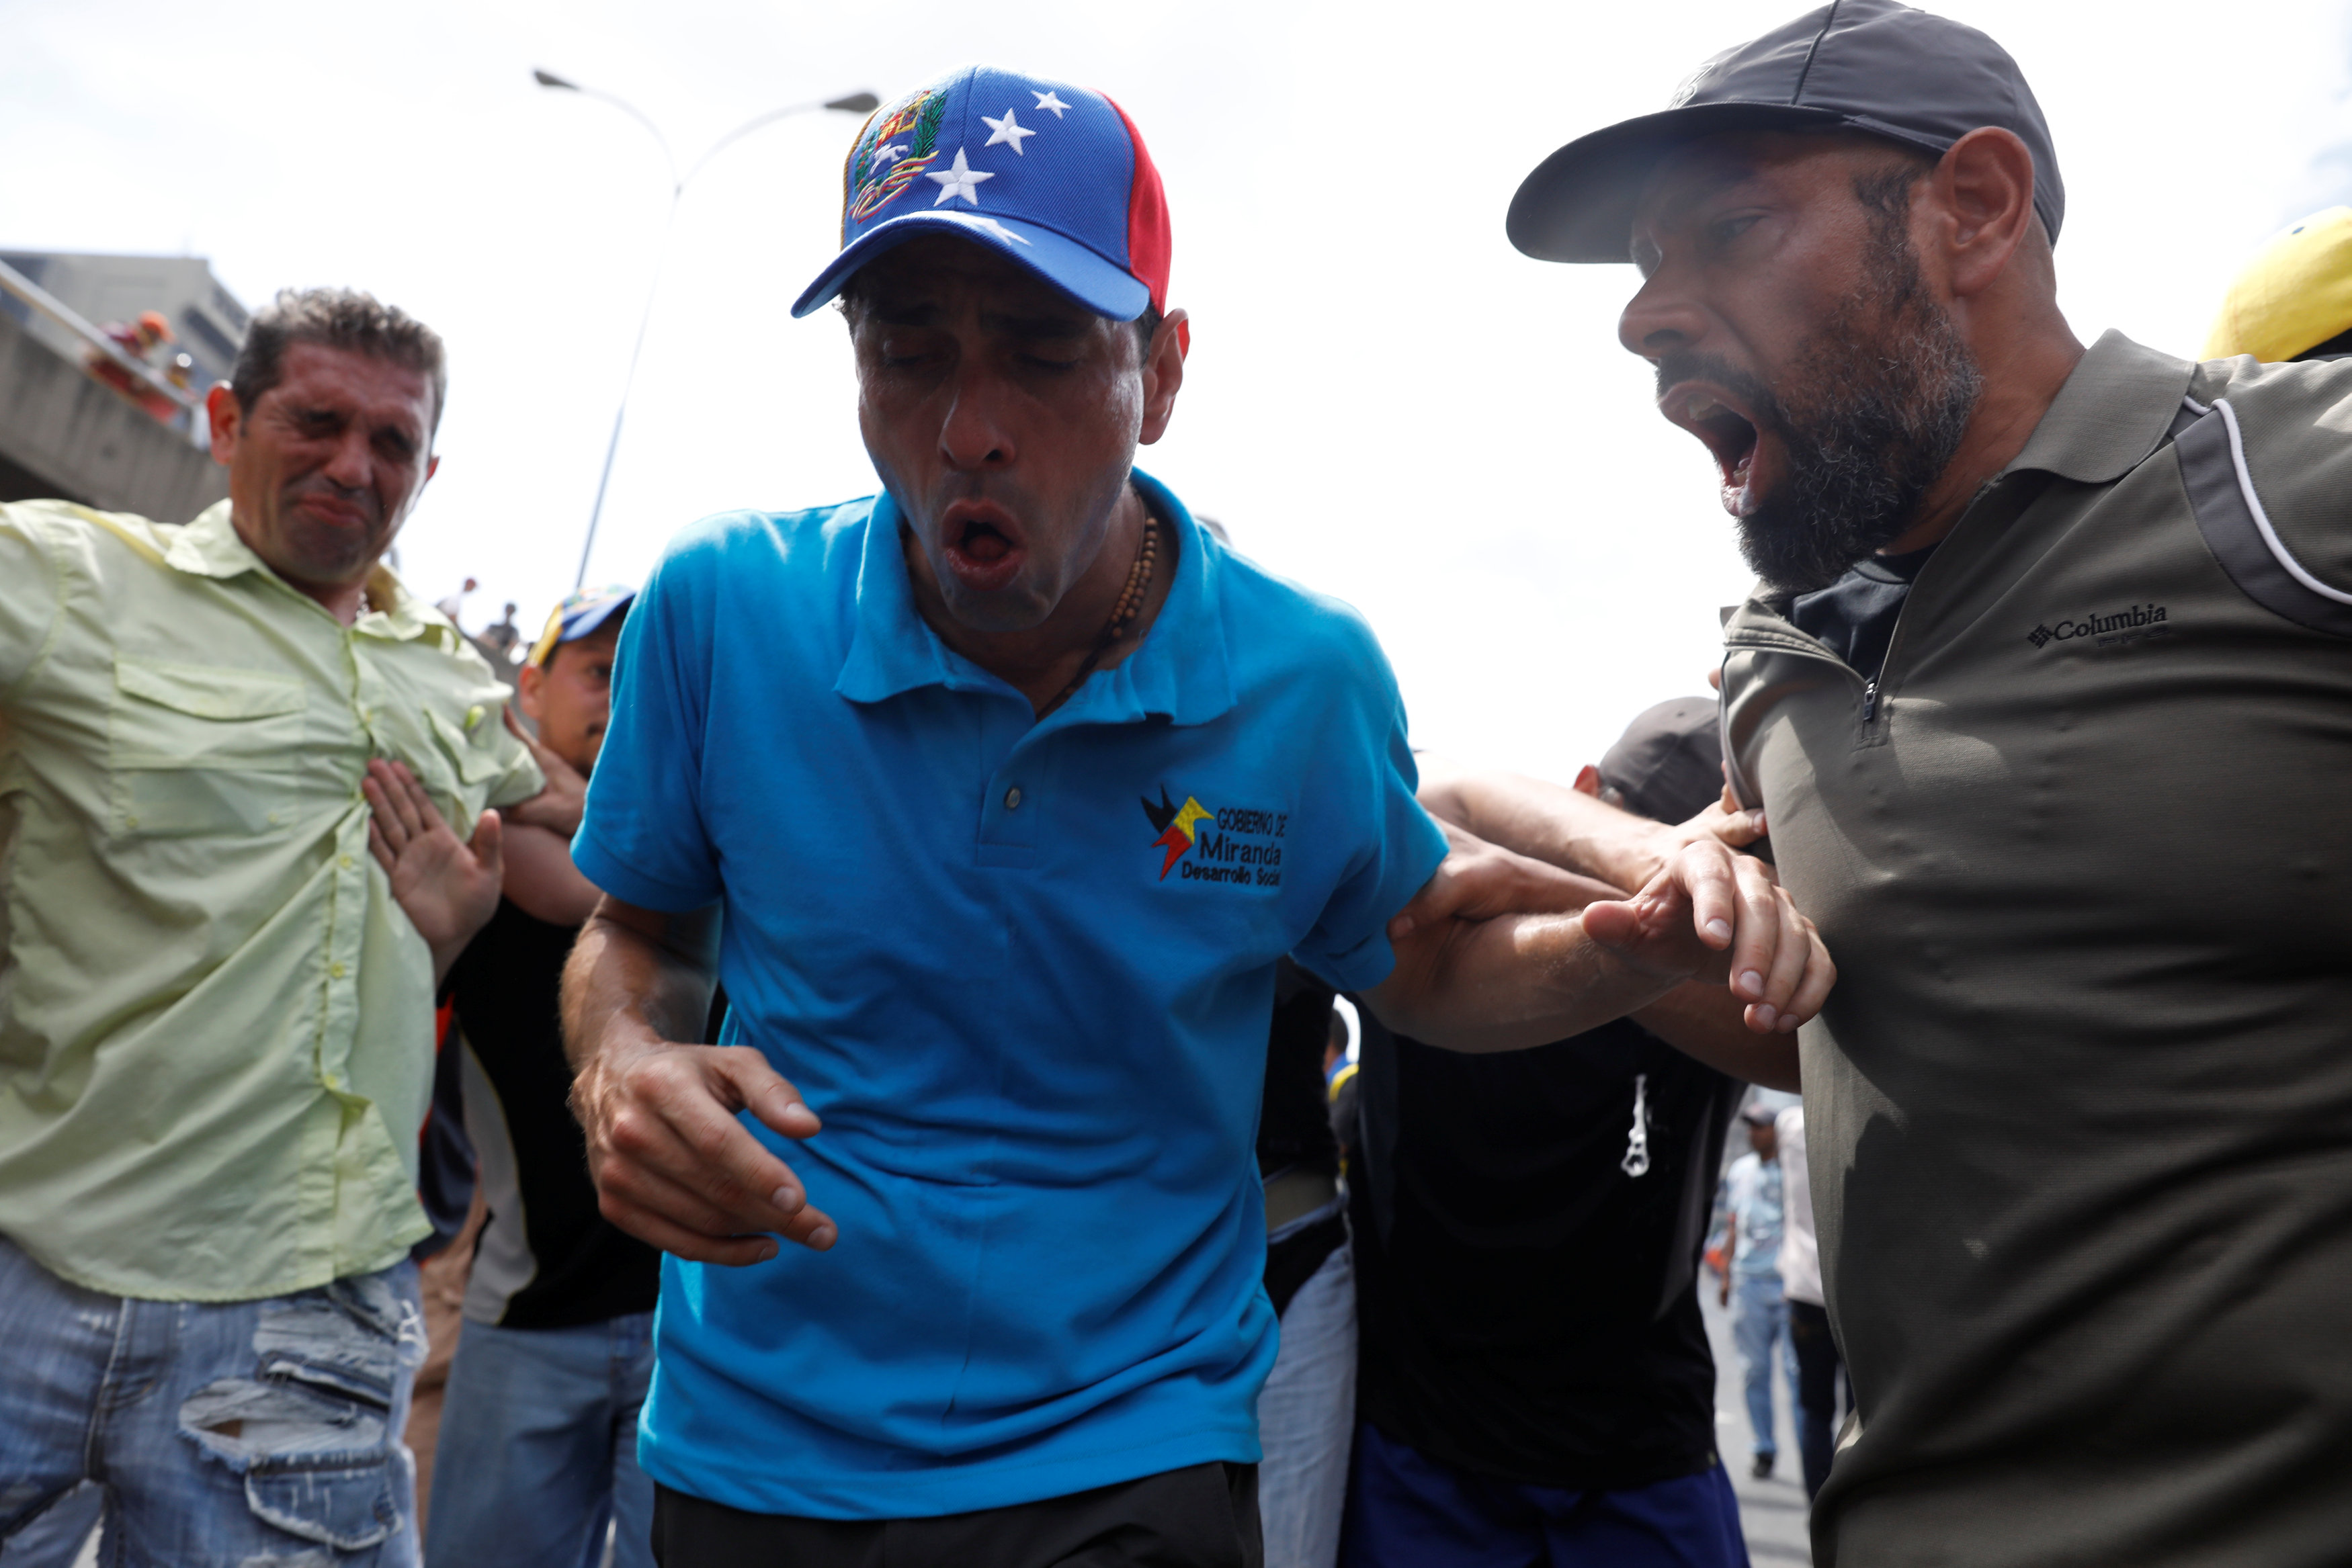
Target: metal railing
{"points": [[190, 420]]}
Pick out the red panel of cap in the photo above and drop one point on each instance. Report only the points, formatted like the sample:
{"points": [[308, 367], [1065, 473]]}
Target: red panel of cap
{"points": [[1148, 242]]}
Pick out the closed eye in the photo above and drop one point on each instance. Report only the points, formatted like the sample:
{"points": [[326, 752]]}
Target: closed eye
{"points": [[1723, 231]]}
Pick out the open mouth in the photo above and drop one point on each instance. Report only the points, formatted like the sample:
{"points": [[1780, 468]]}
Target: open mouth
{"points": [[983, 544], [1713, 416]]}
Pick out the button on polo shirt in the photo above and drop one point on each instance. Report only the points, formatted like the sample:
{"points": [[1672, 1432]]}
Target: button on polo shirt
{"points": [[215, 1025], [1024, 971]]}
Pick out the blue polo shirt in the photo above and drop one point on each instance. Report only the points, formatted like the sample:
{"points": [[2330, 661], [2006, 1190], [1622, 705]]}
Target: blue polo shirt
{"points": [[1024, 971]]}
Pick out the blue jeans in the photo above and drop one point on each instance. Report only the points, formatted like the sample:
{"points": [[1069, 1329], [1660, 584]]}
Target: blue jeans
{"points": [[539, 1449], [218, 1433], [1759, 1320], [1406, 1510], [1307, 1414]]}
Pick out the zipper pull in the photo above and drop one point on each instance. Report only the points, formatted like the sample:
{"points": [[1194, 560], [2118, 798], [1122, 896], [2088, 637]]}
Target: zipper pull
{"points": [[1869, 701]]}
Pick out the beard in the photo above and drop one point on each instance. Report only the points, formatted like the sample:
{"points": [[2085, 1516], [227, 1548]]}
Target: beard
{"points": [[1877, 406]]}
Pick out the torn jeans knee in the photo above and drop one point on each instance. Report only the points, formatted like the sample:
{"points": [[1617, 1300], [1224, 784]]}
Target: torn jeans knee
{"points": [[311, 1430]]}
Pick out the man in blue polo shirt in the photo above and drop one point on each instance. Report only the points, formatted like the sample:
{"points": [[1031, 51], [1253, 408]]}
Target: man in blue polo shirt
{"points": [[1012, 785]]}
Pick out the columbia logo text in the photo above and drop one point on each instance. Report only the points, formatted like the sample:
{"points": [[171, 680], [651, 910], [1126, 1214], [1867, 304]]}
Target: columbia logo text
{"points": [[2133, 624]]}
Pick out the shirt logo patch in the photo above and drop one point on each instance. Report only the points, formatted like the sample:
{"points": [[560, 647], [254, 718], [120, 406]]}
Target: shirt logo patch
{"points": [[2133, 624], [1230, 844]]}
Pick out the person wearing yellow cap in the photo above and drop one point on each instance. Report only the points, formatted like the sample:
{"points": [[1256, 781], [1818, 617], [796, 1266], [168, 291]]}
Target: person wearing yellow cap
{"points": [[2293, 300], [539, 1432]]}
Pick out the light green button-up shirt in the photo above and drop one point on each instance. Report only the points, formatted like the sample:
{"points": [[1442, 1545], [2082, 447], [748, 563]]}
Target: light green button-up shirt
{"points": [[215, 1025]]}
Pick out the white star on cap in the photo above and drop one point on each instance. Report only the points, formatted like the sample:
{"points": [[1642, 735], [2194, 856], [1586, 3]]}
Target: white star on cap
{"points": [[1007, 130], [1045, 101], [961, 180]]}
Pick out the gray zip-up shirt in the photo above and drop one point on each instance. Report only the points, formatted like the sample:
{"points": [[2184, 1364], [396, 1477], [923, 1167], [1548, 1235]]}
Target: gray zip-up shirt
{"points": [[2081, 1106]]}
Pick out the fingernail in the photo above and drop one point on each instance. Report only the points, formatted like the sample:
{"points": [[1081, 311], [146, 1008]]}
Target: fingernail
{"points": [[1751, 982], [1401, 927], [1789, 1023], [1767, 1014], [1720, 929], [822, 1236], [786, 1198], [767, 1252]]}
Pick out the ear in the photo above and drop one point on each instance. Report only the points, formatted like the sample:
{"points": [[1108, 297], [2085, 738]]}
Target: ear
{"points": [[1982, 193], [1588, 781], [222, 417], [1163, 373], [528, 680]]}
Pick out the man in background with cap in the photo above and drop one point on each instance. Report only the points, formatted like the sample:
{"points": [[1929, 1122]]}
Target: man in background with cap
{"points": [[537, 1449], [2047, 695], [1013, 785], [1535, 1382]]}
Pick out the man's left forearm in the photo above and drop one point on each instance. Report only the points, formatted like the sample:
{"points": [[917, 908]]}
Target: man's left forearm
{"points": [[1510, 983], [1548, 822], [1473, 973]]}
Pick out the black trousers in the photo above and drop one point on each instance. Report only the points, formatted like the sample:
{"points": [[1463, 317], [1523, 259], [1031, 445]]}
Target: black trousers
{"points": [[1818, 1365], [1204, 1516]]}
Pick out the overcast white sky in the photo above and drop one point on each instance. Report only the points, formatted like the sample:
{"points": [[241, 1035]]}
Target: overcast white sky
{"points": [[1385, 400]]}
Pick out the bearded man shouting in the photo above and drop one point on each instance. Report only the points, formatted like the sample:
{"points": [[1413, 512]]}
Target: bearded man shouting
{"points": [[2047, 697]]}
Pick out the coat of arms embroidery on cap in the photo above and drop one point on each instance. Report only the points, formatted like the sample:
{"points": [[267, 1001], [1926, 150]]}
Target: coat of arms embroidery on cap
{"points": [[897, 147]]}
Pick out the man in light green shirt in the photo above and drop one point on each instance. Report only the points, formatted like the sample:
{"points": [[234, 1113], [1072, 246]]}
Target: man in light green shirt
{"points": [[215, 992]]}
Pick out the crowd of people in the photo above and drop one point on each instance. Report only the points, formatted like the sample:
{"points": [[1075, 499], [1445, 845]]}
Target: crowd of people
{"points": [[878, 978]]}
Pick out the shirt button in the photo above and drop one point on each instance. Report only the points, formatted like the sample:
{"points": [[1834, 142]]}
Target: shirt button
{"points": [[345, 861], [1013, 799], [335, 971]]}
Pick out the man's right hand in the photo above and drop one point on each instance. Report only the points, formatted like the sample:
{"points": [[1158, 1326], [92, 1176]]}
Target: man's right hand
{"points": [[1724, 821], [673, 1165], [1710, 913]]}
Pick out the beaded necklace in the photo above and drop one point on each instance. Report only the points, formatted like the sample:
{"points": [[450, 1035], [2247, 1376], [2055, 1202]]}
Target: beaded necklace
{"points": [[1122, 613]]}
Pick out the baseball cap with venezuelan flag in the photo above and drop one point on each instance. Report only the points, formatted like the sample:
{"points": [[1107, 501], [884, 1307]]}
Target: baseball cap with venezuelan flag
{"points": [[1050, 174]]}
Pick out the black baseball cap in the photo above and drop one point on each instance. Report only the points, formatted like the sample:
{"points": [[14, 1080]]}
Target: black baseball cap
{"points": [[1668, 765], [1865, 65]]}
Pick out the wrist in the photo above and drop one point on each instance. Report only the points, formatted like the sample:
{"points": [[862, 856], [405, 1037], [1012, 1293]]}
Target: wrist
{"points": [[1628, 856]]}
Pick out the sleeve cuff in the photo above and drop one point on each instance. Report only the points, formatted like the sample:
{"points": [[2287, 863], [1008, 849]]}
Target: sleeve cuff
{"points": [[612, 874]]}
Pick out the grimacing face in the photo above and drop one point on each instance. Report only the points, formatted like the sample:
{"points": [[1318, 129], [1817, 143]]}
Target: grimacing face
{"points": [[1003, 417], [1783, 307], [325, 465]]}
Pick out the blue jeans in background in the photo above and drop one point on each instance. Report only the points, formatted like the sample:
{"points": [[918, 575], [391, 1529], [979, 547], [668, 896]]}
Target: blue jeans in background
{"points": [[1306, 1413], [1759, 1320], [539, 1449], [218, 1433], [1406, 1510]]}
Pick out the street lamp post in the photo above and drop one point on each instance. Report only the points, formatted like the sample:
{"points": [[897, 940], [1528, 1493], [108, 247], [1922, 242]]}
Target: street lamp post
{"points": [[854, 103]]}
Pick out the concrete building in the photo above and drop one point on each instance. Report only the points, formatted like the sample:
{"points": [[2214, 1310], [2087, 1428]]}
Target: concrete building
{"points": [[63, 433]]}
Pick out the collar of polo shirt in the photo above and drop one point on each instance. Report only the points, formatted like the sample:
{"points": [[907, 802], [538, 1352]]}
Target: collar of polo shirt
{"points": [[211, 547]]}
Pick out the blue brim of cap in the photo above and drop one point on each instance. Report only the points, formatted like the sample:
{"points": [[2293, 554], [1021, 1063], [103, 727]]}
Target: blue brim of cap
{"points": [[584, 620], [1102, 286]]}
